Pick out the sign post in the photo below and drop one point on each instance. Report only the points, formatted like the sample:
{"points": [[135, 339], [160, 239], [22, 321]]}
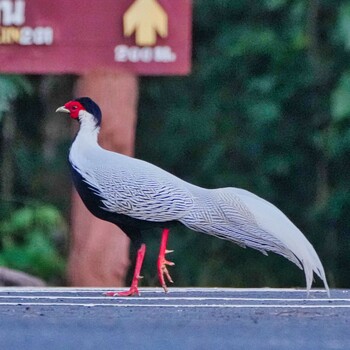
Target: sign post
{"points": [[146, 37]]}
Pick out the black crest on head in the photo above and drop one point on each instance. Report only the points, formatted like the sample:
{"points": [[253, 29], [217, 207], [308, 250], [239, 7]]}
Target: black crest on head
{"points": [[91, 107]]}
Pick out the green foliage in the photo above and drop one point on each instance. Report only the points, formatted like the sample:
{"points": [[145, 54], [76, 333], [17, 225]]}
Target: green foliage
{"points": [[340, 98], [343, 25], [31, 234], [12, 86], [29, 237]]}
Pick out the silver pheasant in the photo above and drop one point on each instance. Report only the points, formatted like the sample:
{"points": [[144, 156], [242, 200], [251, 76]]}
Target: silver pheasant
{"points": [[137, 195]]}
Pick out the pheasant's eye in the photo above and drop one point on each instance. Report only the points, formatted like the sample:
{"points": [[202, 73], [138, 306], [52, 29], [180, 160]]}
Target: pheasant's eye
{"points": [[74, 107]]}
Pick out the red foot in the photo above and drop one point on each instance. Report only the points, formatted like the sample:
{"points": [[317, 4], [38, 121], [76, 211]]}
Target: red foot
{"points": [[162, 262], [128, 293], [135, 281]]}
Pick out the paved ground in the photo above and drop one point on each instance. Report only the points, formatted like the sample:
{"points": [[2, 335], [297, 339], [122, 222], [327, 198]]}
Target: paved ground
{"points": [[200, 319]]}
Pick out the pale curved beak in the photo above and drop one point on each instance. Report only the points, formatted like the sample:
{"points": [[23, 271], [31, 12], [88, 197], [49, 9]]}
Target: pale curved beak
{"points": [[62, 109]]}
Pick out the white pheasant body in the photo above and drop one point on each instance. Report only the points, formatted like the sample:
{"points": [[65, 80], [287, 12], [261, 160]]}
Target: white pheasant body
{"points": [[143, 191], [132, 193]]}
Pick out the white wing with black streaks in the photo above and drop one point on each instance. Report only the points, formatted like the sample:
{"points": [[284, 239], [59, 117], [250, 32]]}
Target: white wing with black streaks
{"points": [[136, 188]]}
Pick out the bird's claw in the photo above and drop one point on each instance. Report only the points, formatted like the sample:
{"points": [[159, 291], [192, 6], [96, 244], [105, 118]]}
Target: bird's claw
{"points": [[163, 270], [128, 293]]}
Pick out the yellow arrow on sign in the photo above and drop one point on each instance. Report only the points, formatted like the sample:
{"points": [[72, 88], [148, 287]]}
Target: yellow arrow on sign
{"points": [[147, 19]]}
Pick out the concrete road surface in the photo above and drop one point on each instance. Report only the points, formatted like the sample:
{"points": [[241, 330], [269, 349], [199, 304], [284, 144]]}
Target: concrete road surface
{"points": [[249, 319]]}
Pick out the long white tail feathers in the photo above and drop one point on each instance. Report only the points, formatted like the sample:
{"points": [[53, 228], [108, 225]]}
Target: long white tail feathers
{"points": [[274, 221], [248, 220]]}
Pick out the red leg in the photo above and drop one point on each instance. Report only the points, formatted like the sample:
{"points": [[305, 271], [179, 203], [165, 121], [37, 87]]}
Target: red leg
{"points": [[135, 281], [162, 262]]}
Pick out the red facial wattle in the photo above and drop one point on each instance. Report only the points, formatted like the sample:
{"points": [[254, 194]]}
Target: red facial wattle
{"points": [[74, 108]]}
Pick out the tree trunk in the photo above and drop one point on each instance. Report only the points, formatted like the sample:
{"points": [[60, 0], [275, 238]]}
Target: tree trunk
{"points": [[99, 253]]}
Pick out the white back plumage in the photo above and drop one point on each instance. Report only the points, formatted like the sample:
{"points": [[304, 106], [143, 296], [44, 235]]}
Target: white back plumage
{"points": [[143, 191]]}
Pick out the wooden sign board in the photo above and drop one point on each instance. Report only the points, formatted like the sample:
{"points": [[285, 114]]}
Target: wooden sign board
{"points": [[148, 37]]}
